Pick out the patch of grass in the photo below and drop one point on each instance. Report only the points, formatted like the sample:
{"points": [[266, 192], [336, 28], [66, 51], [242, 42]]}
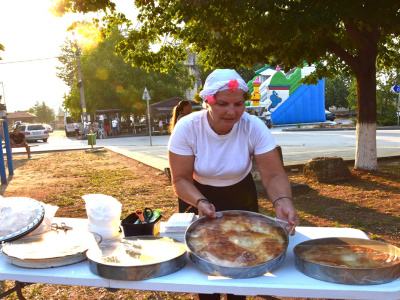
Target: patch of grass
{"points": [[374, 236], [358, 224]]}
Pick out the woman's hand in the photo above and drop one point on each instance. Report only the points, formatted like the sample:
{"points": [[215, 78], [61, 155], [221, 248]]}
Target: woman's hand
{"points": [[206, 208], [285, 210]]}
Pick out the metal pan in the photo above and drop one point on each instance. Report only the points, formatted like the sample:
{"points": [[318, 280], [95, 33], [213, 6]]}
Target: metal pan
{"points": [[337, 266], [213, 268], [137, 258]]}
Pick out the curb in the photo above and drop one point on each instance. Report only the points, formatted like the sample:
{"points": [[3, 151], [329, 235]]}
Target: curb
{"points": [[338, 129]]}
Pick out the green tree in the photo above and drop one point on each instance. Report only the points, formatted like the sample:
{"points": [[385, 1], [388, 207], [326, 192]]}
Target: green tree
{"points": [[351, 37], [337, 90], [43, 113], [110, 82], [352, 97], [386, 99]]}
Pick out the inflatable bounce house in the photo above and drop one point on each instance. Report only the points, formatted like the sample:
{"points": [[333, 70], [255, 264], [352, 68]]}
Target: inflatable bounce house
{"points": [[279, 96]]}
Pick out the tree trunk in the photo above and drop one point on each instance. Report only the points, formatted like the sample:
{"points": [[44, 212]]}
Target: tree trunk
{"points": [[366, 155]]}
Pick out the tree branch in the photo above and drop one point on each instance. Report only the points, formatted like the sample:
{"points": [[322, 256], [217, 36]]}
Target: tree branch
{"points": [[342, 54]]}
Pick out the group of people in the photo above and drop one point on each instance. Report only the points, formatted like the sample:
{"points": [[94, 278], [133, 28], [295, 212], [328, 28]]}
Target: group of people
{"points": [[97, 127], [211, 153]]}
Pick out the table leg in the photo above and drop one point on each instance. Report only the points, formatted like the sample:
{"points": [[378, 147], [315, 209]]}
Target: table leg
{"points": [[17, 288]]}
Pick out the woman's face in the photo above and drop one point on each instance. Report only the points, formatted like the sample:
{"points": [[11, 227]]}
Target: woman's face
{"points": [[187, 109], [227, 110]]}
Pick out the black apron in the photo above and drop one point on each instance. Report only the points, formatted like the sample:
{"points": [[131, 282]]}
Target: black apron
{"points": [[240, 196]]}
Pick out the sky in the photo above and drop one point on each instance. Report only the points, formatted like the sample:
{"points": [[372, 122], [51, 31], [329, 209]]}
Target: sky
{"points": [[32, 38]]}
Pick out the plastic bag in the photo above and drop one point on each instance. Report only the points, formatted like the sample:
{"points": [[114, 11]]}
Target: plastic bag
{"points": [[104, 213], [49, 212]]}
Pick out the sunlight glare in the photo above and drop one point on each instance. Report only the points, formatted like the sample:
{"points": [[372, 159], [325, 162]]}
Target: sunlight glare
{"points": [[86, 35], [57, 8]]}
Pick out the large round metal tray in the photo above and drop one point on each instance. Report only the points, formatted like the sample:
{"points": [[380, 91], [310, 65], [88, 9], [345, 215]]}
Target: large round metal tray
{"points": [[386, 271], [50, 249], [25, 225], [137, 258], [233, 271]]}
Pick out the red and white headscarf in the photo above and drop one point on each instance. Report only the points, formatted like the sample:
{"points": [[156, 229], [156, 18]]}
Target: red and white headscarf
{"points": [[219, 80]]}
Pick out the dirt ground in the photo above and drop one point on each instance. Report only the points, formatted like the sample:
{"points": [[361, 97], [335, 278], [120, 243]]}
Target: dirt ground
{"points": [[369, 202]]}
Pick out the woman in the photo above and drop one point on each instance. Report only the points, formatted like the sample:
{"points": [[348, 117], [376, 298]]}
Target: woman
{"points": [[182, 109], [211, 151]]}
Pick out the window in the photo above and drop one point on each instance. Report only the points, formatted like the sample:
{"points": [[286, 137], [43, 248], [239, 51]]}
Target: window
{"points": [[36, 127]]}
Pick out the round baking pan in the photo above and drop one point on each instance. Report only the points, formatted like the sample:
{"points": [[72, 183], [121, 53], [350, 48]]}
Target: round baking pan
{"points": [[50, 249], [232, 271], [386, 271], [137, 258], [26, 226]]}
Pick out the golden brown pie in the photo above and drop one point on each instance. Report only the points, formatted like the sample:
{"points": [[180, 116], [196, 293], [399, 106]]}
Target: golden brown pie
{"points": [[349, 256], [237, 240]]}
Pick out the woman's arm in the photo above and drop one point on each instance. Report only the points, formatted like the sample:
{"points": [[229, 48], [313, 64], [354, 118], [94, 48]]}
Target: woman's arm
{"points": [[277, 185], [182, 180]]}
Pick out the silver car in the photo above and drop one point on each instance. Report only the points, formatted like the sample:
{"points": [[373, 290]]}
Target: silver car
{"points": [[34, 132]]}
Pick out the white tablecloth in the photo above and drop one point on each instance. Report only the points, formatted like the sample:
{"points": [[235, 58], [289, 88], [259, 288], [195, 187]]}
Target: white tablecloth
{"points": [[285, 281]]}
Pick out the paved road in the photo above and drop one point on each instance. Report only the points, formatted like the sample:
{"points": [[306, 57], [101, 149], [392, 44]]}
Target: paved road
{"points": [[297, 146]]}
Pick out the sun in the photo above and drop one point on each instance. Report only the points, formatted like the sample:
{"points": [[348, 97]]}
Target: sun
{"points": [[86, 35]]}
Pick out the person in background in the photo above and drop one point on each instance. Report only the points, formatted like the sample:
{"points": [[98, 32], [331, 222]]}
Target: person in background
{"points": [[18, 140], [211, 152], [114, 127], [183, 108], [161, 126], [106, 125], [96, 127], [76, 127]]}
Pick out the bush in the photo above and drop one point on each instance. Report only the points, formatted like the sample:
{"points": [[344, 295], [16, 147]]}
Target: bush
{"points": [[387, 122]]}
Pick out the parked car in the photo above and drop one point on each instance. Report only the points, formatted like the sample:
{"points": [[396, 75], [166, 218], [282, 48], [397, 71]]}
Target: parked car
{"points": [[34, 132], [48, 127], [330, 116]]}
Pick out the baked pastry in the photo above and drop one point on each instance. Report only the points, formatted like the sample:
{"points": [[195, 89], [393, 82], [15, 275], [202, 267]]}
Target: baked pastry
{"points": [[236, 240], [348, 256]]}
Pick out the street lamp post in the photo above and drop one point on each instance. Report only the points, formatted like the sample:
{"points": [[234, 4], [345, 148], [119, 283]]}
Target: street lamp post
{"points": [[80, 81], [146, 97]]}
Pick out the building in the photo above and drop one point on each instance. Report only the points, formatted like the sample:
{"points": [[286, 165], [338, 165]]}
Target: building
{"points": [[191, 64], [22, 116], [166, 107]]}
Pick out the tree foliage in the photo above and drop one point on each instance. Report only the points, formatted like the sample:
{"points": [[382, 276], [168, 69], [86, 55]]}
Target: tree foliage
{"points": [[337, 90], [109, 82], [1, 49], [351, 37], [43, 113]]}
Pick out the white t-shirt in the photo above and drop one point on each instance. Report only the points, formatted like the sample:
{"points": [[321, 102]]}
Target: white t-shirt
{"points": [[114, 123], [220, 160]]}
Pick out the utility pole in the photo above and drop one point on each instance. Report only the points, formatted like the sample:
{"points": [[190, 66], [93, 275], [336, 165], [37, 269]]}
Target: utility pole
{"points": [[146, 97], [80, 81]]}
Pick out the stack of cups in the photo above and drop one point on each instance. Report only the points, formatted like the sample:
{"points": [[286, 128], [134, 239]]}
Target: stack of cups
{"points": [[104, 213]]}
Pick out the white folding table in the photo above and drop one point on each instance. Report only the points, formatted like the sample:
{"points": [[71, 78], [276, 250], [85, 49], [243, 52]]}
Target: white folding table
{"points": [[285, 281]]}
